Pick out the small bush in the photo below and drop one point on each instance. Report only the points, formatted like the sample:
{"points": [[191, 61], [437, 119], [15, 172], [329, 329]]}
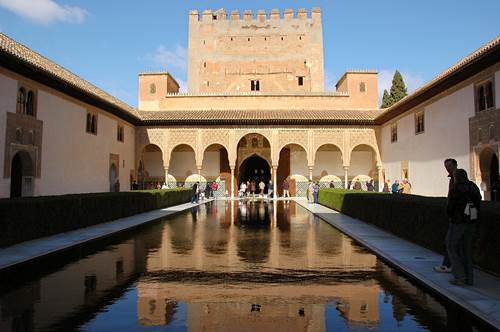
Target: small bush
{"points": [[419, 219], [27, 218]]}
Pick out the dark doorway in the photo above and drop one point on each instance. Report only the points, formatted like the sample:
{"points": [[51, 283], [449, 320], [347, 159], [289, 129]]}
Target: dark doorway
{"points": [[254, 168], [494, 171], [21, 167]]}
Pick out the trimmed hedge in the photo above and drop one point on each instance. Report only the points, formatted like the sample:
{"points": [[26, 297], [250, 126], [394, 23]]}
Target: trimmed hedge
{"points": [[419, 219], [23, 219]]}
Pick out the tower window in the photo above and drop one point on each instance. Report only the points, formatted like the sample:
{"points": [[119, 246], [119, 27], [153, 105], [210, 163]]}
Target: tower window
{"points": [[248, 39], [204, 65], [362, 87], [152, 89], [281, 38], [254, 85], [419, 122], [300, 80]]}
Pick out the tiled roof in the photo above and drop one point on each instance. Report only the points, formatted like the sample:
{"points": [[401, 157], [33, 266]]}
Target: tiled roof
{"points": [[260, 117], [490, 49], [32, 58]]}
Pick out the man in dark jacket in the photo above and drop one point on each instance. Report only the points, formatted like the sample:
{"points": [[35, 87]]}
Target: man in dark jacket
{"points": [[194, 193], [463, 209]]}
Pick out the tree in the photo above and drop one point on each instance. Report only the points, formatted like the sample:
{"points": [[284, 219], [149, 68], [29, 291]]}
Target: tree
{"points": [[386, 100], [398, 91]]}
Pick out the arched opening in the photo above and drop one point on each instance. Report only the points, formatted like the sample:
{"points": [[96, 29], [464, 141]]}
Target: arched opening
{"points": [[21, 101], [292, 168], [21, 175], [183, 165], [215, 169], [255, 169], [328, 166], [113, 179], [363, 166], [253, 161], [30, 103], [488, 163], [151, 171]]}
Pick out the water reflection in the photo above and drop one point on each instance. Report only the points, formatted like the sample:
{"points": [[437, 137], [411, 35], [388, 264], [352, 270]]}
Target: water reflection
{"points": [[224, 266]]}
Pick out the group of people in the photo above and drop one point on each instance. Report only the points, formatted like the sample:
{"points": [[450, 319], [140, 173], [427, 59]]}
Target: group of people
{"points": [[313, 192], [197, 193], [397, 187], [256, 187], [463, 208]]}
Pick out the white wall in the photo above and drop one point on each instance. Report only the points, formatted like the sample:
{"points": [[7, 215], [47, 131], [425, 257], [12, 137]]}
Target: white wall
{"points": [[446, 135], [361, 163], [182, 164], [73, 161], [329, 162], [8, 95]]}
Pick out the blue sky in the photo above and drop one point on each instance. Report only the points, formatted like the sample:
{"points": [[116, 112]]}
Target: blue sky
{"points": [[107, 42]]}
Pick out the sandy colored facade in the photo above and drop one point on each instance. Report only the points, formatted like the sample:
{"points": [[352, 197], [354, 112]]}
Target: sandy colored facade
{"points": [[281, 131]]}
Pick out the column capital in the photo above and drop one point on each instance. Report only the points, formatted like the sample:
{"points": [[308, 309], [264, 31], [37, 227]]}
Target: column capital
{"points": [[346, 168]]}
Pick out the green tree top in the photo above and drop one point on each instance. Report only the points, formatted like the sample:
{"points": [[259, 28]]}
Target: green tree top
{"points": [[398, 91]]}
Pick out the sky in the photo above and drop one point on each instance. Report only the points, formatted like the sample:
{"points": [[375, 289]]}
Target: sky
{"points": [[108, 42]]}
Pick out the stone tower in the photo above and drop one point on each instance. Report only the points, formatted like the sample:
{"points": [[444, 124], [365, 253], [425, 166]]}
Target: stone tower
{"points": [[266, 53]]}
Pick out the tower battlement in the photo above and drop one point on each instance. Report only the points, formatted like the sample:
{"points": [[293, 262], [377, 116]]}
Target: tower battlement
{"points": [[261, 16]]}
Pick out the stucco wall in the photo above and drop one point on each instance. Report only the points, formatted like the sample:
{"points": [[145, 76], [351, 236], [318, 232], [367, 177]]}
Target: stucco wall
{"points": [[182, 164], [73, 161], [8, 90], [446, 135]]}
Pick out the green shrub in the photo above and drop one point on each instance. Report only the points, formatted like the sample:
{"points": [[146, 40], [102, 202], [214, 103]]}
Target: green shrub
{"points": [[23, 219], [419, 219]]}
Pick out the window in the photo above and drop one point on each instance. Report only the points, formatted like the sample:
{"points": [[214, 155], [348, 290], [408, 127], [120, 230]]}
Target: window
{"points": [[484, 96], [21, 101], [91, 126], [19, 136], [152, 89], [254, 85], [90, 283], [281, 38], [248, 39], [300, 80], [362, 87], [300, 37], [394, 132], [120, 134], [419, 122], [30, 103], [204, 65], [119, 269]]}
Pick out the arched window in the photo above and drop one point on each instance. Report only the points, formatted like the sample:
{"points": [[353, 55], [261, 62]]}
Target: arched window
{"points": [[21, 101], [89, 123], [31, 138], [362, 87], [152, 88], [30, 103], [93, 127], [255, 142]]}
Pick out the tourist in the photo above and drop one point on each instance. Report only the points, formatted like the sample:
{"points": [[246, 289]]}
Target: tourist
{"points": [[214, 188], [332, 184], [270, 188], [262, 186], [406, 188], [286, 187], [253, 187], [310, 192], [315, 188], [194, 193], [208, 190], [243, 189], [386, 186], [357, 185], [164, 186], [394, 187], [370, 186], [450, 165], [462, 209], [135, 185], [117, 186]]}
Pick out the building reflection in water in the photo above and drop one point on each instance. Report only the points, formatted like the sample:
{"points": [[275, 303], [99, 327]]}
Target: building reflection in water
{"points": [[223, 266]]}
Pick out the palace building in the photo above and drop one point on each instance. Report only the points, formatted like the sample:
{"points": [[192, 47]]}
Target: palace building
{"points": [[256, 107]]}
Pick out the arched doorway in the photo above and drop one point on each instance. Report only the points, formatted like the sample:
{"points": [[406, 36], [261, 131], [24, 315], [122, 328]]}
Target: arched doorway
{"points": [[21, 175], [151, 171], [488, 163], [255, 168], [183, 166], [363, 166], [292, 167]]}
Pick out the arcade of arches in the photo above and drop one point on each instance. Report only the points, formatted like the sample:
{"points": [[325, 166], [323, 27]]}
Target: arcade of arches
{"points": [[186, 155]]}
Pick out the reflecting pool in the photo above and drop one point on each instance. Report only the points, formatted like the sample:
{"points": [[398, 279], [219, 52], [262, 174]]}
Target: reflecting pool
{"points": [[222, 266]]}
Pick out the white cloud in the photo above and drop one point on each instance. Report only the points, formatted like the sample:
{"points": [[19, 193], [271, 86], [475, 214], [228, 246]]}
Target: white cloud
{"points": [[166, 58], [385, 76], [45, 11]]}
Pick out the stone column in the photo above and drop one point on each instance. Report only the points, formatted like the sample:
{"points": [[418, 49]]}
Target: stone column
{"points": [[199, 174], [232, 182], [311, 172], [275, 179], [166, 175], [380, 179], [346, 177]]}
